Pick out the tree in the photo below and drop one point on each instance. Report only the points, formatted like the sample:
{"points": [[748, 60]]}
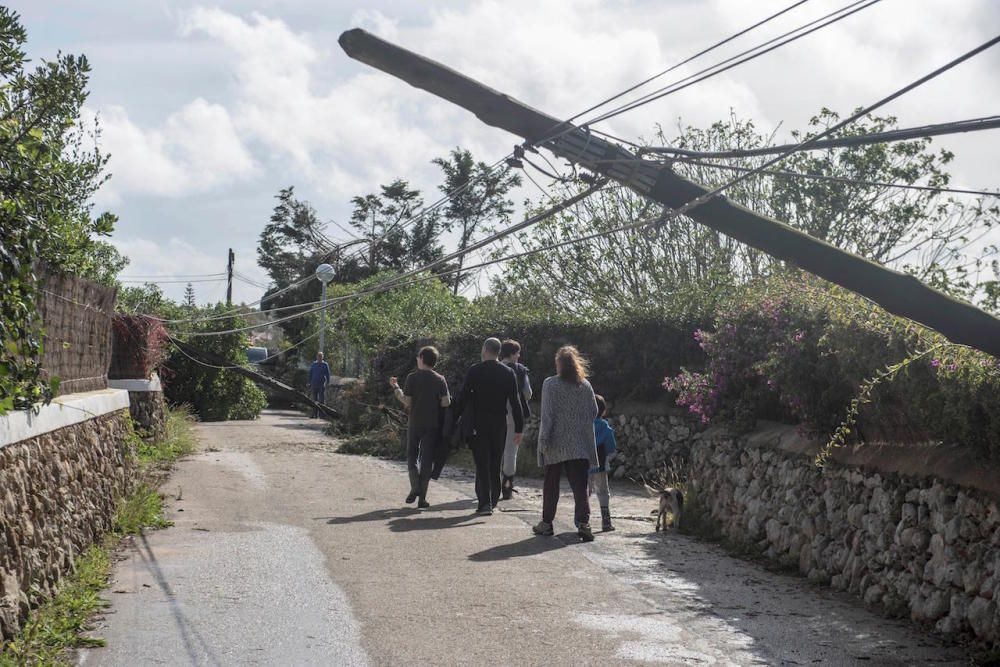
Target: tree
{"points": [[381, 220], [47, 180], [214, 394], [478, 197], [189, 300], [681, 268]]}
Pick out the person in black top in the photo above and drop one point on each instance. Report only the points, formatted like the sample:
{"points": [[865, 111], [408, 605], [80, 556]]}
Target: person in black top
{"points": [[488, 390], [510, 355], [425, 393]]}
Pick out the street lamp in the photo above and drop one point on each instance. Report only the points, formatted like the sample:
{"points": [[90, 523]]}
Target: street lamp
{"points": [[324, 273]]}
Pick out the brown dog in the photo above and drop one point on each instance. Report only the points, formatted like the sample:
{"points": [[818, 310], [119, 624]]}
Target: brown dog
{"points": [[671, 500]]}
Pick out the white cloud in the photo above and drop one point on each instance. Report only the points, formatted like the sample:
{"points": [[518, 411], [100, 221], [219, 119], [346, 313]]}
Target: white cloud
{"points": [[281, 104], [196, 149]]}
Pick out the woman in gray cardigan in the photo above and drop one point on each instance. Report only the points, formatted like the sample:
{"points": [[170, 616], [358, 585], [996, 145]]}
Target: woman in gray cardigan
{"points": [[566, 439]]}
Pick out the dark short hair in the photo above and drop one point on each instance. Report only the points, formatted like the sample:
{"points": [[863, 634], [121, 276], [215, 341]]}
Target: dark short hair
{"points": [[509, 347], [429, 355], [602, 405], [492, 345]]}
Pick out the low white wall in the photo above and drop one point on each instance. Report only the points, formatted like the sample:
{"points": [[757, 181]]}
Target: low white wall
{"points": [[61, 412]]}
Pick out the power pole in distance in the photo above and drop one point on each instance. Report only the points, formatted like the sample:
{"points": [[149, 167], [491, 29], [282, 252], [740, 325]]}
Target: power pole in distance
{"points": [[229, 278]]}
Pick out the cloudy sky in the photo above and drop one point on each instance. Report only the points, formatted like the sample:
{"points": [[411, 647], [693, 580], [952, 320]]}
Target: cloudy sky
{"points": [[209, 109]]}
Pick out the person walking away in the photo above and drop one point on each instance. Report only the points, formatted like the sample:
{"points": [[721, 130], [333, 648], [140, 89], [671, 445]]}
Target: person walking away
{"points": [[319, 378], [490, 387], [510, 355], [604, 436], [566, 439], [425, 394]]}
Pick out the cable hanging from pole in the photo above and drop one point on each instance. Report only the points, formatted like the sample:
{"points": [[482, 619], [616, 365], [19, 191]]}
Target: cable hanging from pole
{"points": [[938, 129]]}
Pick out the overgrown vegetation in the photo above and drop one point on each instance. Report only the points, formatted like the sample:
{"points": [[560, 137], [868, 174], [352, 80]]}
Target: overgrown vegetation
{"points": [[63, 622], [799, 351], [214, 394], [47, 179]]}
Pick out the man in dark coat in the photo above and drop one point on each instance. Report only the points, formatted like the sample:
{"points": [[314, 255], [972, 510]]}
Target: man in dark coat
{"points": [[490, 387]]}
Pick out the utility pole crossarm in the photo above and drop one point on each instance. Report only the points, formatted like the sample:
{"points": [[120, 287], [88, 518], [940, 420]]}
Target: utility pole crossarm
{"points": [[898, 293]]}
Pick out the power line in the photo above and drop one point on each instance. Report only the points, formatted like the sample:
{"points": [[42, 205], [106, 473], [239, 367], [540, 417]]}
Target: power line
{"points": [[396, 282], [955, 127], [557, 126], [169, 282], [172, 275], [267, 358], [740, 58], [781, 173], [652, 78], [389, 283]]}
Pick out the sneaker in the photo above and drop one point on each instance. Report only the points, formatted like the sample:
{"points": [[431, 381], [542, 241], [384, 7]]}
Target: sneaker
{"points": [[423, 504], [585, 533], [485, 510], [543, 528]]}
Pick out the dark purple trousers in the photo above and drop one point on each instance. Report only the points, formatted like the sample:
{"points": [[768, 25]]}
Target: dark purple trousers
{"points": [[577, 471]]}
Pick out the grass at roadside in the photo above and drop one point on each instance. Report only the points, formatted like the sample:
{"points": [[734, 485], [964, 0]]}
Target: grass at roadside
{"points": [[61, 623]]}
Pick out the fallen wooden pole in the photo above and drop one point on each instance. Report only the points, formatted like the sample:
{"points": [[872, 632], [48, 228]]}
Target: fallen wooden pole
{"points": [[901, 294]]}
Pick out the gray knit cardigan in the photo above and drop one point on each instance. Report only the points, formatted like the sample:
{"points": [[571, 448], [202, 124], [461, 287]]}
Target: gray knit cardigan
{"points": [[567, 428]]}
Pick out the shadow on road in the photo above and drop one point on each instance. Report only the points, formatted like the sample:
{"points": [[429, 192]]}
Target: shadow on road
{"points": [[374, 515], [404, 525], [531, 546], [389, 514]]}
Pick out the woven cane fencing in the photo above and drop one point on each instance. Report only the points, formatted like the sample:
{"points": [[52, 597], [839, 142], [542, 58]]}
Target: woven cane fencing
{"points": [[76, 314]]}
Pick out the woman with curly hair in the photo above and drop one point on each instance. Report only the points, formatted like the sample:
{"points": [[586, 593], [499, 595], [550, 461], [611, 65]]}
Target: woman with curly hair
{"points": [[566, 439]]}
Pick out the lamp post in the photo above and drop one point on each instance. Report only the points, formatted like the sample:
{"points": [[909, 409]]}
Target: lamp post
{"points": [[324, 273]]}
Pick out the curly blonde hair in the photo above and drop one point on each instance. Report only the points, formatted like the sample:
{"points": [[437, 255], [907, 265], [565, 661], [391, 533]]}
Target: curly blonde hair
{"points": [[571, 365]]}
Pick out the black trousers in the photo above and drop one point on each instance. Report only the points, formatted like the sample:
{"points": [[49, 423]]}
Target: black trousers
{"points": [[577, 471], [487, 452], [420, 446]]}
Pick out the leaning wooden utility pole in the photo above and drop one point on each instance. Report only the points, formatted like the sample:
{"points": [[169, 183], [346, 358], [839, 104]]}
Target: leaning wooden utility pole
{"points": [[901, 294]]}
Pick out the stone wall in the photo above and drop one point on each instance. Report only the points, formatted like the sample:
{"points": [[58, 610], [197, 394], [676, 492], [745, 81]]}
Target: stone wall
{"points": [[914, 545], [58, 492], [149, 412]]}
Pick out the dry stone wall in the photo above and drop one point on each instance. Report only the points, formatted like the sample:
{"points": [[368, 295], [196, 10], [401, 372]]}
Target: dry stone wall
{"points": [[896, 531], [58, 493], [915, 546]]}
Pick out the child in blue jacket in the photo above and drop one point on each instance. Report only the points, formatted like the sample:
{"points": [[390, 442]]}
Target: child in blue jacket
{"points": [[606, 446]]}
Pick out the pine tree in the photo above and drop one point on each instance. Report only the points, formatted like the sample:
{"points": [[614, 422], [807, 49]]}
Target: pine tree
{"points": [[189, 300]]}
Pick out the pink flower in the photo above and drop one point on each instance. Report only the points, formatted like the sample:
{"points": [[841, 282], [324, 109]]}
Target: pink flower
{"points": [[935, 363]]}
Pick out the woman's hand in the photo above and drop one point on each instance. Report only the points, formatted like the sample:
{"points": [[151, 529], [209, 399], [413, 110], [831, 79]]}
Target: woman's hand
{"points": [[394, 382]]}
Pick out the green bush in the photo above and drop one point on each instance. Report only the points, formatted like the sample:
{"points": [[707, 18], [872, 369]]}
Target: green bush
{"points": [[626, 358], [214, 394]]}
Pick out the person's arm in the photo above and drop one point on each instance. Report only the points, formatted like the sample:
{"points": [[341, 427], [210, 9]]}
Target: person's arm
{"points": [[467, 390], [514, 398], [526, 388], [548, 417], [404, 394], [602, 457], [326, 374], [446, 396]]}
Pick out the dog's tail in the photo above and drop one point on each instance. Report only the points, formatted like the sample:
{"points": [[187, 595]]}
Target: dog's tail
{"points": [[653, 492]]}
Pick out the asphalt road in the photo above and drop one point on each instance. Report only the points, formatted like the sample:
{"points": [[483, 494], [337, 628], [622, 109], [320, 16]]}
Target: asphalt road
{"points": [[284, 552]]}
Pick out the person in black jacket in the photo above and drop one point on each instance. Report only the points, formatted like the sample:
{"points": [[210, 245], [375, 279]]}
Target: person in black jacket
{"points": [[488, 390], [510, 355]]}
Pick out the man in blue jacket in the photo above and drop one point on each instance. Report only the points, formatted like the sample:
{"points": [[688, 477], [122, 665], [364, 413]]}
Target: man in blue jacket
{"points": [[319, 377]]}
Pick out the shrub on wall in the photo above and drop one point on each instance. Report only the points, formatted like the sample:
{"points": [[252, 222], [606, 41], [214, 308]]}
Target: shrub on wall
{"points": [[799, 351]]}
